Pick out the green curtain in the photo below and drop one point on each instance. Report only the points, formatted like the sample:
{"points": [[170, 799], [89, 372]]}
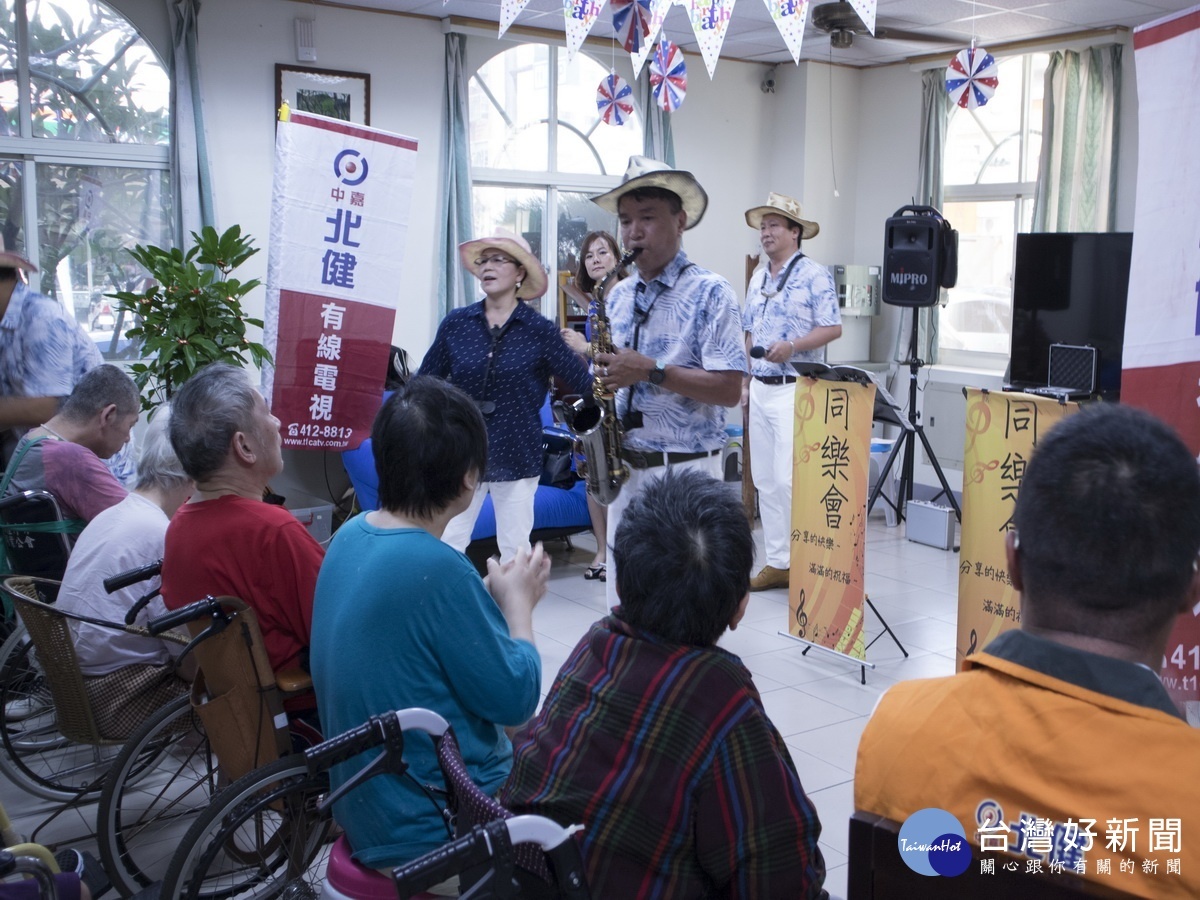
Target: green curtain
{"points": [[1077, 170], [456, 179], [191, 179], [657, 140]]}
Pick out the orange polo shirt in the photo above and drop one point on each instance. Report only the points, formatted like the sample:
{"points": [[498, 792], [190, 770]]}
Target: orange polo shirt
{"points": [[1033, 730]]}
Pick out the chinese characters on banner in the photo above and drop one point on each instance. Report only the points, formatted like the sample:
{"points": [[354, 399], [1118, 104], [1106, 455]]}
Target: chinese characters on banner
{"points": [[1162, 323], [832, 452], [1002, 429], [339, 220]]}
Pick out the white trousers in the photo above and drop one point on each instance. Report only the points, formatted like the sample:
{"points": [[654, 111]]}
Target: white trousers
{"points": [[772, 430], [512, 502], [638, 479]]}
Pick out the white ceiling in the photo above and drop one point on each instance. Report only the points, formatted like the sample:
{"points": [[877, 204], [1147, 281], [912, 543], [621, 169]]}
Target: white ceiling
{"points": [[752, 35]]}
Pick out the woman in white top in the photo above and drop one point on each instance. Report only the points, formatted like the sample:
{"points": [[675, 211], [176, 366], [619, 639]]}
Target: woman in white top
{"points": [[127, 677]]}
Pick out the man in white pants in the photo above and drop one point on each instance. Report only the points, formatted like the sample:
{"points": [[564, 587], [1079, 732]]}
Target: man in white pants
{"points": [[679, 358], [791, 313]]}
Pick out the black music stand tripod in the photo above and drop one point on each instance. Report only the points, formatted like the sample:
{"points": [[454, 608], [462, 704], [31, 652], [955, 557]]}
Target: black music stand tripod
{"points": [[912, 430]]}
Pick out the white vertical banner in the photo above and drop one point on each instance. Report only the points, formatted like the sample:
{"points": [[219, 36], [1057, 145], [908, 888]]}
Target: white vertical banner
{"points": [[339, 225]]}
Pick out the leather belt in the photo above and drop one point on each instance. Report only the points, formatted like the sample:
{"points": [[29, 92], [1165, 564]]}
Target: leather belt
{"points": [[649, 459], [776, 379]]}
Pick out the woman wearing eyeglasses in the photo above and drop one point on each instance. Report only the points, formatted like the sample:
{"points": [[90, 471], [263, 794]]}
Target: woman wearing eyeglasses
{"points": [[503, 353], [601, 255]]}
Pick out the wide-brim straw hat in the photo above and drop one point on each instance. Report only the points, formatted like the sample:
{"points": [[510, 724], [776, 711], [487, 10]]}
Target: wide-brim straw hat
{"points": [[534, 284], [10, 260], [782, 205], [644, 172]]}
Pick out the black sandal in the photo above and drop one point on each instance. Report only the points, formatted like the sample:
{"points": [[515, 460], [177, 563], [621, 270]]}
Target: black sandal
{"points": [[595, 573]]}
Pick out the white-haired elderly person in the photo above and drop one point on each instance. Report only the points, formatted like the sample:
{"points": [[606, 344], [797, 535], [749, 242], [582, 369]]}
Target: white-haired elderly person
{"points": [[127, 677], [503, 352]]}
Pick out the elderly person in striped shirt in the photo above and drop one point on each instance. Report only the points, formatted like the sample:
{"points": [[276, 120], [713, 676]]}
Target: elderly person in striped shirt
{"points": [[655, 738]]}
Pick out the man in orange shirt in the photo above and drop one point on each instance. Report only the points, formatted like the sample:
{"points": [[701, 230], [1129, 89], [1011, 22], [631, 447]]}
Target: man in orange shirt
{"points": [[1058, 743]]}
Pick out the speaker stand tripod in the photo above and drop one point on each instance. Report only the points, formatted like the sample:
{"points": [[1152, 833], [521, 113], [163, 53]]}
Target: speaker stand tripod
{"points": [[912, 431]]}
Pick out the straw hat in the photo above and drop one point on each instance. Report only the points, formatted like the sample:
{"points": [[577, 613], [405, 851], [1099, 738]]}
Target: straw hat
{"points": [[781, 205], [10, 260], [644, 172], [515, 246]]}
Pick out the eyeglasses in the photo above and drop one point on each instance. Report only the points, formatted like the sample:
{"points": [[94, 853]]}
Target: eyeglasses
{"points": [[495, 260]]}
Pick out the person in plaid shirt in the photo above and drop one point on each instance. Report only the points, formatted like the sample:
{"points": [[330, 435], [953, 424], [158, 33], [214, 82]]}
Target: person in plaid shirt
{"points": [[655, 738]]}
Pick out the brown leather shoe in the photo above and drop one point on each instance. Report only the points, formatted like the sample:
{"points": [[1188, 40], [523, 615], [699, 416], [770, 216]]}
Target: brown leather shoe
{"points": [[769, 577]]}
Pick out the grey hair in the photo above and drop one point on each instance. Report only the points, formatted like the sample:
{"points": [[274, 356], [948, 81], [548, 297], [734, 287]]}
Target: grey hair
{"points": [[211, 407], [158, 466], [104, 385]]}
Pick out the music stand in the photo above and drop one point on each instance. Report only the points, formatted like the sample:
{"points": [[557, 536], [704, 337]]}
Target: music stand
{"points": [[885, 411]]}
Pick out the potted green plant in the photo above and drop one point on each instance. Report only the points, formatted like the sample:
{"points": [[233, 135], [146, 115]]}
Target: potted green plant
{"points": [[191, 312]]}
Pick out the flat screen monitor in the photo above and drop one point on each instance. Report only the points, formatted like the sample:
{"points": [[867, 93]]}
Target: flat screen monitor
{"points": [[1069, 288]]}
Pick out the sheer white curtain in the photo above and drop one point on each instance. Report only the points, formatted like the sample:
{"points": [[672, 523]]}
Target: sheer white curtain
{"points": [[1077, 170]]}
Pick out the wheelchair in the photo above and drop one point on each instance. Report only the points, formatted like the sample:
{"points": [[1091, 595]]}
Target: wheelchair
{"points": [[267, 835], [232, 723]]}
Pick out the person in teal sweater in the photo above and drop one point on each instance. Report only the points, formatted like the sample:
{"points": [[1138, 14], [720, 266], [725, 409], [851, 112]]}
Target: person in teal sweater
{"points": [[402, 620]]}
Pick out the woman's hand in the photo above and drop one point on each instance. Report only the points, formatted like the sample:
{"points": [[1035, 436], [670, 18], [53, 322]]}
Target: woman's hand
{"points": [[576, 341], [518, 586]]}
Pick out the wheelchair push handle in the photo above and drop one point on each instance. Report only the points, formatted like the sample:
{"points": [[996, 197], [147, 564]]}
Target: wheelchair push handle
{"points": [[15, 499], [133, 576], [209, 606], [372, 734], [495, 839]]}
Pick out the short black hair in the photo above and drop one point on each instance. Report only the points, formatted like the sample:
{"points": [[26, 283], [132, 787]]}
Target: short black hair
{"points": [[674, 201], [1108, 521], [683, 555], [100, 387], [426, 438]]}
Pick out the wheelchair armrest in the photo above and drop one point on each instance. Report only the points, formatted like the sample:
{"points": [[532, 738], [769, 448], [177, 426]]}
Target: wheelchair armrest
{"points": [[293, 681]]}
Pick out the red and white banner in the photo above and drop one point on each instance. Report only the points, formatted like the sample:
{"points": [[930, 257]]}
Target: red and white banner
{"points": [[1162, 322], [339, 222]]}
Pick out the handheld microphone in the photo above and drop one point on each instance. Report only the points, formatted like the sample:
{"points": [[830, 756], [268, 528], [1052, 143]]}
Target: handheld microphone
{"points": [[758, 352]]}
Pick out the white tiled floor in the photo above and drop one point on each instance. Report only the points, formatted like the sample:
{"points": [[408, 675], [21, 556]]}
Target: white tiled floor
{"points": [[817, 702]]}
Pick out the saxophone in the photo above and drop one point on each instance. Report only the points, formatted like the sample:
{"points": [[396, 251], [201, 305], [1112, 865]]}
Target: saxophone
{"points": [[593, 421]]}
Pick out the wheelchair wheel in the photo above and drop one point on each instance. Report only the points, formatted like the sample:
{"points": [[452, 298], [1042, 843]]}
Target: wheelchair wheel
{"points": [[33, 753], [163, 778], [261, 838]]}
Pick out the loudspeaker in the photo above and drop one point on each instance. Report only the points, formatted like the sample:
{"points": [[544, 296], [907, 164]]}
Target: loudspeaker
{"points": [[920, 255]]}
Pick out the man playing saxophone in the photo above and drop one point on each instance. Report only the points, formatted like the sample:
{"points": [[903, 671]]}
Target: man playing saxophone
{"points": [[676, 329]]}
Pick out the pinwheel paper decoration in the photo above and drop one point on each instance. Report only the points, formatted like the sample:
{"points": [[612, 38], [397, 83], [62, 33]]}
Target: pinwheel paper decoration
{"points": [[614, 99], [668, 75], [971, 77], [631, 23]]}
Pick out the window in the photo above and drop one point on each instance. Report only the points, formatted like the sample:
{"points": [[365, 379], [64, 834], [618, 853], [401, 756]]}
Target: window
{"points": [[84, 153], [539, 149], [990, 174]]}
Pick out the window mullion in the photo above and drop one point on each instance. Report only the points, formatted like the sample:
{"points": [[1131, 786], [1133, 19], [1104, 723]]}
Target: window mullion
{"points": [[24, 106], [552, 115]]}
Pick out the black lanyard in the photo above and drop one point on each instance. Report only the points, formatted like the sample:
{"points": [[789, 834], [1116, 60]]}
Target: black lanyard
{"points": [[486, 406]]}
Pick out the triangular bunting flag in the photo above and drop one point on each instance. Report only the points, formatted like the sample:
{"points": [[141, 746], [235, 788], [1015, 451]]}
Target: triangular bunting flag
{"points": [[866, 12], [710, 21], [580, 16], [790, 17], [658, 13], [509, 10]]}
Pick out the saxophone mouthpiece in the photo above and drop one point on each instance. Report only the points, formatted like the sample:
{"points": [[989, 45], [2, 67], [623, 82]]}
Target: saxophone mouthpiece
{"points": [[629, 257]]}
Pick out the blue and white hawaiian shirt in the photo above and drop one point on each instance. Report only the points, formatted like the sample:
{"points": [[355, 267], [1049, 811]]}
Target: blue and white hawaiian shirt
{"points": [[807, 301], [690, 319]]}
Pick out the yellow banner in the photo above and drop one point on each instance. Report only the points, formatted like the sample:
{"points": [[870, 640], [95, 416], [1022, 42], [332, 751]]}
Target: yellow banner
{"points": [[1002, 429], [831, 457]]}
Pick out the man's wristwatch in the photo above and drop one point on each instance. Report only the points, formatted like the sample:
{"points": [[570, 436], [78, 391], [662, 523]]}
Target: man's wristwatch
{"points": [[659, 372]]}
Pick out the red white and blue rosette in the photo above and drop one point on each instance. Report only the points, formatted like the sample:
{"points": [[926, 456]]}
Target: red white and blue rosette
{"points": [[668, 75], [631, 22], [971, 77], [614, 99]]}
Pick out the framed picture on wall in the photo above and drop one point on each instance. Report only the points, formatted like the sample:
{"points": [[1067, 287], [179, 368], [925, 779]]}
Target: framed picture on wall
{"points": [[325, 92]]}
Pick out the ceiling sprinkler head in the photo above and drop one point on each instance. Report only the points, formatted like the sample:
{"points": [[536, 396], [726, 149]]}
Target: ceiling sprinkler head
{"points": [[841, 38]]}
